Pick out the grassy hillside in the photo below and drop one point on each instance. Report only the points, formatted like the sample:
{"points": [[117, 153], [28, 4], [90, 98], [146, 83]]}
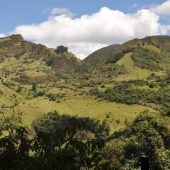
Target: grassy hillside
{"points": [[57, 112], [37, 80]]}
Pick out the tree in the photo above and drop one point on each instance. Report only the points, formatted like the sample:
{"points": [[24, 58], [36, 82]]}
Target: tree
{"points": [[168, 74], [15, 145], [150, 137], [60, 139], [34, 87], [61, 49]]}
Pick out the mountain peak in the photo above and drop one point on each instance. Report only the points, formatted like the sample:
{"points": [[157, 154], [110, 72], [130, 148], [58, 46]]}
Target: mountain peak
{"points": [[16, 37]]}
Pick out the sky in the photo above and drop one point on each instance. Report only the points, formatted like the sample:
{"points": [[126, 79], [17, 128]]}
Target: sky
{"points": [[84, 26]]}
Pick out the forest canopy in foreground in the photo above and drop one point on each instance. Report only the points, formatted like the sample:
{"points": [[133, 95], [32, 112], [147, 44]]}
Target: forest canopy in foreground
{"points": [[68, 142]]}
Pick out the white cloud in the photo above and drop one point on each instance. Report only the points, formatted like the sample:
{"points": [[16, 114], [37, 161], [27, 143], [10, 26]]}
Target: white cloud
{"points": [[162, 9], [2, 35], [62, 11], [87, 33], [82, 50], [165, 29]]}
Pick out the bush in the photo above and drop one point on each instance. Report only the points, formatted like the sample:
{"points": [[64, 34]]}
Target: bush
{"points": [[127, 92], [147, 59]]}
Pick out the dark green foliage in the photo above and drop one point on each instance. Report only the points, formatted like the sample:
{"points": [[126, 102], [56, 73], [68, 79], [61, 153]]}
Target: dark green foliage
{"points": [[152, 136], [118, 56], [19, 89], [63, 63], [68, 126], [148, 135], [15, 46], [128, 92], [34, 87], [115, 58], [55, 97], [61, 49], [123, 94], [58, 144], [94, 91], [112, 69], [25, 79], [15, 148], [52, 97], [147, 59], [159, 41]]}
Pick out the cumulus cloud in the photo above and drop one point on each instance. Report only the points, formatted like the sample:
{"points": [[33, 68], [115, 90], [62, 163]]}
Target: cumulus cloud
{"points": [[62, 11], [162, 9], [87, 33], [82, 50]]}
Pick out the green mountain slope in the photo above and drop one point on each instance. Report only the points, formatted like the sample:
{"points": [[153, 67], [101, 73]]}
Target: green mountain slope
{"points": [[106, 85], [112, 52]]}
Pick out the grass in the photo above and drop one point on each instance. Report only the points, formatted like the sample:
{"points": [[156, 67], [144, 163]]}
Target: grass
{"points": [[34, 68], [133, 72], [152, 48], [115, 114], [76, 102], [7, 97]]}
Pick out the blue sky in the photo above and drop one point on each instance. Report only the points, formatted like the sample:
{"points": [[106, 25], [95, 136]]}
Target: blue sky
{"points": [[42, 21], [17, 12]]}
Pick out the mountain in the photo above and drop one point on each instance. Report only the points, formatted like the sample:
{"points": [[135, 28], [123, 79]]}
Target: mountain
{"points": [[113, 84], [14, 46], [102, 55]]}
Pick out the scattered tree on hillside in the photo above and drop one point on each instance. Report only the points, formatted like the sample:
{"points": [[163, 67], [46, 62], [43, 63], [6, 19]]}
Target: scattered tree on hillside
{"points": [[61, 49], [34, 87]]}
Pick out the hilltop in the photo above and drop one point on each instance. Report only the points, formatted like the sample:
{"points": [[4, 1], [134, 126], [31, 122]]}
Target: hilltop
{"points": [[108, 53]]}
